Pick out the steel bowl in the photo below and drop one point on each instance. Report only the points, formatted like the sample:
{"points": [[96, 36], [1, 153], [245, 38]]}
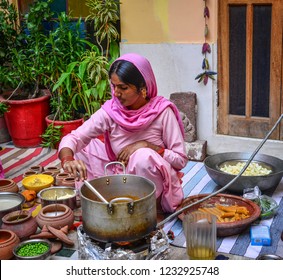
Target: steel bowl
{"points": [[10, 202], [58, 194], [43, 256], [264, 182]]}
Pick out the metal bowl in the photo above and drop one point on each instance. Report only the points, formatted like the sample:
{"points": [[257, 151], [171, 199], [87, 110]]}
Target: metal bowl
{"points": [[31, 242], [10, 202], [58, 194], [264, 182], [224, 228]]}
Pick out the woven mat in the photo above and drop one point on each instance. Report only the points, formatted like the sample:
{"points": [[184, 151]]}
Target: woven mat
{"points": [[196, 181], [16, 161]]}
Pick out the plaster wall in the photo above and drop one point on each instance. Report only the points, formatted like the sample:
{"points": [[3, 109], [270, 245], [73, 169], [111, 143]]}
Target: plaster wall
{"points": [[170, 34]]}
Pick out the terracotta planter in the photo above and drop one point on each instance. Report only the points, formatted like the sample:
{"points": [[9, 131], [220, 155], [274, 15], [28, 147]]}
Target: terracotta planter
{"points": [[20, 222], [8, 185], [8, 241], [26, 120], [55, 215]]}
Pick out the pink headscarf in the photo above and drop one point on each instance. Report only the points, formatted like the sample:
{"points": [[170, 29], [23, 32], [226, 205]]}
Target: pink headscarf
{"points": [[136, 120]]}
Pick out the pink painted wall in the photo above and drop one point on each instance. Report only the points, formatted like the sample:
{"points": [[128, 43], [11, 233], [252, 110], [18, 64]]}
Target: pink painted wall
{"points": [[166, 21]]}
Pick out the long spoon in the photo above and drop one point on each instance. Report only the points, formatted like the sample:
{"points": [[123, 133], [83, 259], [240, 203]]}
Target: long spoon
{"points": [[93, 189]]}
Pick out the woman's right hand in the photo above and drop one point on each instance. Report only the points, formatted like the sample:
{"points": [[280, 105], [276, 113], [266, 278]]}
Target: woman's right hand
{"points": [[76, 168]]}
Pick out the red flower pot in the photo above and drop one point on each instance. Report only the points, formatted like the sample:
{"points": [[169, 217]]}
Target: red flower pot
{"points": [[26, 120]]}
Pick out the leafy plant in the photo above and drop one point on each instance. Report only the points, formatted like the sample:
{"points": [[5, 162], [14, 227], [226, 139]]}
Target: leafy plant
{"points": [[3, 108], [51, 136], [86, 82]]}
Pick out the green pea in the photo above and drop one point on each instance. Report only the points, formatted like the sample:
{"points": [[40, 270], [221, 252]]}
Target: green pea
{"points": [[32, 249]]}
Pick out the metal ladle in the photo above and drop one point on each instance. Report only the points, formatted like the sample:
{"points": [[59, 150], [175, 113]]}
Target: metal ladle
{"points": [[98, 194], [93, 189]]}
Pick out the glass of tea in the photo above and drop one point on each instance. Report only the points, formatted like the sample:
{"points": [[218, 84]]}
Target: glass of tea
{"points": [[200, 232]]}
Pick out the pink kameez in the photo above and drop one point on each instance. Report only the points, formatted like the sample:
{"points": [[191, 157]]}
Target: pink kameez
{"points": [[163, 171], [158, 122]]}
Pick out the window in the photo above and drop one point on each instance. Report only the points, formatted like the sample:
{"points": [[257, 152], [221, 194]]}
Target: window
{"points": [[250, 67]]}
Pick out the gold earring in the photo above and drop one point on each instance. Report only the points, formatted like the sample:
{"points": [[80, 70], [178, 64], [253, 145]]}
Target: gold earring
{"points": [[144, 93]]}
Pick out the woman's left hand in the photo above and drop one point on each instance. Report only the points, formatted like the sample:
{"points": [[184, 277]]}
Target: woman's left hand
{"points": [[127, 151]]}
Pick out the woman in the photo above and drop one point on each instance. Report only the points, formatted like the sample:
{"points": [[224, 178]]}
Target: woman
{"points": [[142, 130]]}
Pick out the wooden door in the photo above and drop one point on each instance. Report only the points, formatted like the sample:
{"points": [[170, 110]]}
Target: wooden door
{"points": [[250, 67]]}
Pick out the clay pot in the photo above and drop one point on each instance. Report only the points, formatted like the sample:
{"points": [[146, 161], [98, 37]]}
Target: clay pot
{"points": [[20, 222], [69, 182], [50, 173], [8, 185], [53, 169], [60, 177], [29, 173], [55, 215], [37, 168], [8, 241]]}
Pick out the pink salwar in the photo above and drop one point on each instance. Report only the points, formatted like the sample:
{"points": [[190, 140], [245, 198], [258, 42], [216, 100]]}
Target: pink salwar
{"points": [[164, 131]]}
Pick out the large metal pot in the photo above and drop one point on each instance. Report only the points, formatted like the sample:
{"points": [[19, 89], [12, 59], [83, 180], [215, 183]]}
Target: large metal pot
{"points": [[119, 221]]}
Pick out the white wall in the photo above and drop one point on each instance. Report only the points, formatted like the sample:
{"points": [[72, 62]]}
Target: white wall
{"points": [[175, 67]]}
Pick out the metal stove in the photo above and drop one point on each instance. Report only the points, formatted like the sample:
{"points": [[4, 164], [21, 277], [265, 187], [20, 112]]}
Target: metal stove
{"points": [[155, 246]]}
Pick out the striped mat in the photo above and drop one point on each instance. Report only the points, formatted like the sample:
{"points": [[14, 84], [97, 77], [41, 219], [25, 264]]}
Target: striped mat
{"points": [[16, 161], [197, 181]]}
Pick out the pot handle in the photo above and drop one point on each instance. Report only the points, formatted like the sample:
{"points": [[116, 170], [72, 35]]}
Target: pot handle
{"points": [[130, 204], [114, 162]]}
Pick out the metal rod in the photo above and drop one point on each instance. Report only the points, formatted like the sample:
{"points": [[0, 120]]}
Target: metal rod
{"points": [[227, 185]]}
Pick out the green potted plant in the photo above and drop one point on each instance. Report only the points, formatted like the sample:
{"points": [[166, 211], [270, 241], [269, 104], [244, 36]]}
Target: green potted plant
{"points": [[35, 66], [22, 72], [84, 86]]}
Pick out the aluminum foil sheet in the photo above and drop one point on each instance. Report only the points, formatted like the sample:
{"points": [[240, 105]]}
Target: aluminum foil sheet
{"points": [[89, 249]]}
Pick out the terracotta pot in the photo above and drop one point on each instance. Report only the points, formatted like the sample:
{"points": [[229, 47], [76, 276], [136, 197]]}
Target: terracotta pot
{"points": [[26, 120], [8, 241], [60, 177], [37, 168], [55, 215], [29, 173], [69, 182], [50, 173], [54, 169], [8, 185], [20, 222]]}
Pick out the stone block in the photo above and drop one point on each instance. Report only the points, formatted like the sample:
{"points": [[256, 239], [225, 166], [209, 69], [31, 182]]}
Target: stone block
{"points": [[196, 150], [186, 103]]}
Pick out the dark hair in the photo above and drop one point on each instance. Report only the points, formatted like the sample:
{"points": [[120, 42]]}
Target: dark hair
{"points": [[128, 73]]}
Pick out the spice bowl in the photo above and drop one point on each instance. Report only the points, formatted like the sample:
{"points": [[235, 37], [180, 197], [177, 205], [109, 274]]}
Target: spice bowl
{"points": [[59, 194], [33, 249], [37, 182]]}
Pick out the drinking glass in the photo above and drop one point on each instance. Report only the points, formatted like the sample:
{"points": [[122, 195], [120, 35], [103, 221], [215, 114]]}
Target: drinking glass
{"points": [[200, 232]]}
